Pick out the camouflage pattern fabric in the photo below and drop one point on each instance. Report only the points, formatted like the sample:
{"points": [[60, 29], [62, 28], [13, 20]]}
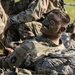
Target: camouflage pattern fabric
{"points": [[66, 39], [30, 51], [18, 71], [3, 16], [58, 63], [56, 59], [15, 6], [3, 19], [5, 5], [13, 35], [2, 25], [71, 30], [29, 30], [72, 44], [22, 32], [32, 12]]}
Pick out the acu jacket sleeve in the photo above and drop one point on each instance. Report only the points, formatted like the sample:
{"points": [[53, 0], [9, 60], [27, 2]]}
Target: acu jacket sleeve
{"points": [[34, 12]]}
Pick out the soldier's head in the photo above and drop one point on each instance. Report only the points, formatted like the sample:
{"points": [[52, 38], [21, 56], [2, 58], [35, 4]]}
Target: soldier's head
{"points": [[55, 23]]}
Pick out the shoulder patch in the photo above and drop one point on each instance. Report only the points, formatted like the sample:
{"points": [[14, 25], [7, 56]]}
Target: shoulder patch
{"points": [[13, 60]]}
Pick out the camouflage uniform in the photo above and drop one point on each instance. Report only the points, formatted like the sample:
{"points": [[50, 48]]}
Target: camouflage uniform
{"points": [[3, 16], [16, 6], [18, 71], [34, 11], [3, 19], [2, 25], [13, 7], [21, 71], [68, 41], [34, 53], [58, 61], [68, 37]]}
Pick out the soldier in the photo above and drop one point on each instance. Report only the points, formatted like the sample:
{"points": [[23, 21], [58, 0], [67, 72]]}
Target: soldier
{"points": [[45, 53], [68, 37], [30, 10], [71, 31]]}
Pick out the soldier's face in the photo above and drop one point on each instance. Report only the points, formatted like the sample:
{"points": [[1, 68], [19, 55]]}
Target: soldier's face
{"points": [[54, 26]]}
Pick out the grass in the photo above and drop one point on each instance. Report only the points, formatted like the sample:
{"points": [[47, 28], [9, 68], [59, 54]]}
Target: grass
{"points": [[70, 9], [69, 1]]}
